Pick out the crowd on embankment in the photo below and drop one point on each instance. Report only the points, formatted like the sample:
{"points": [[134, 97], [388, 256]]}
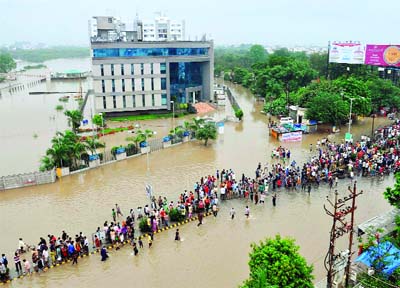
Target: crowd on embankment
{"points": [[328, 163]]}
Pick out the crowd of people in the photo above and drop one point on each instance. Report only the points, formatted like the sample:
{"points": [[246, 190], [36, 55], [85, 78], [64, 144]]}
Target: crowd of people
{"points": [[328, 163]]}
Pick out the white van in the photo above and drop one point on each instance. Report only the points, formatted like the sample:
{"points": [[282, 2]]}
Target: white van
{"points": [[286, 120]]}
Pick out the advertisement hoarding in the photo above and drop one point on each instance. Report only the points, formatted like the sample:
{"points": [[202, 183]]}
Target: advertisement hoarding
{"points": [[382, 55], [348, 52]]}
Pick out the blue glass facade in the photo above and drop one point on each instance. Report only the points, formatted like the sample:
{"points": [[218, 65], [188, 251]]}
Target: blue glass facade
{"points": [[144, 52], [184, 75]]}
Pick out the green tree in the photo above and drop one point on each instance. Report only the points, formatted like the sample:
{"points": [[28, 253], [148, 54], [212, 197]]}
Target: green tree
{"points": [[318, 62], [46, 163], [205, 132], [140, 136], [277, 106], [239, 114], [7, 63], [383, 94], [257, 53], [92, 144], [328, 108], [278, 261], [356, 89], [74, 118], [98, 120], [392, 195]]}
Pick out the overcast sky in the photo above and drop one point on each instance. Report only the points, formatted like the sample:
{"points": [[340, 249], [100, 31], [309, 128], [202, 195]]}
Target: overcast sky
{"points": [[268, 22]]}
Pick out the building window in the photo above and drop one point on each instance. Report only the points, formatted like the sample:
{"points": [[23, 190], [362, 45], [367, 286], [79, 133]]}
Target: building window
{"points": [[143, 100], [103, 86], [133, 101], [142, 84], [142, 68], [133, 84], [104, 102], [152, 84], [114, 101], [153, 100], [163, 68], [163, 99], [109, 20], [113, 85], [102, 69], [163, 83], [122, 69], [124, 100], [151, 68], [123, 85], [112, 69], [132, 69]]}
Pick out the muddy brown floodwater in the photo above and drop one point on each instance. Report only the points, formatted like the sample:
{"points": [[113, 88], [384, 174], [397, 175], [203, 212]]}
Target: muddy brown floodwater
{"points": [[213, 255]]}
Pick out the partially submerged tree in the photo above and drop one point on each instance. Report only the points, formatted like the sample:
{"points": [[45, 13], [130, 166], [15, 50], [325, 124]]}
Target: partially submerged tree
{"points": [[74, 119], [278, 262]]}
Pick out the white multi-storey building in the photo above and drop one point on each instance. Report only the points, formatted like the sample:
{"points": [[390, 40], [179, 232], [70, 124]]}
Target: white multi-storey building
{"points": [[163, 29], [135, 75]]}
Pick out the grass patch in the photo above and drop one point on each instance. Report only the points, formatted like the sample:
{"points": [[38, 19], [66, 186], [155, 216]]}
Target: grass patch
{"points": [[108, 130], [145, 117]]}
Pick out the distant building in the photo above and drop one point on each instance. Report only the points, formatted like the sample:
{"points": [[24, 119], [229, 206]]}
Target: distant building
{"points": [[163, 29], [135, 75]]}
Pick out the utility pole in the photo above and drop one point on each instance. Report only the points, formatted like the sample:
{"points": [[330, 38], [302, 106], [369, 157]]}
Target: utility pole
{"points": [[340, 226]]}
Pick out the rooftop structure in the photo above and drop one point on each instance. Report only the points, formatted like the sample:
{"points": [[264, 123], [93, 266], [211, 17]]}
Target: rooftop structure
{"points": [[112, 29]]}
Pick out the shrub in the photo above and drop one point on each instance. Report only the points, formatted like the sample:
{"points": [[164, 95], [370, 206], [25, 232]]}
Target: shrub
{"points": [[176, 215], [144, 226], [131, 149], [239, 114]]}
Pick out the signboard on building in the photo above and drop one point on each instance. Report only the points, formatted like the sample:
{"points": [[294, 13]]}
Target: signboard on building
{"points": [[291, 136], [347, 52], [382, 55]]}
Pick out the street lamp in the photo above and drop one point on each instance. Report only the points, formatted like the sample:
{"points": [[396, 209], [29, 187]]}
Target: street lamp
{"points": [[173, 116], [102, 123]]}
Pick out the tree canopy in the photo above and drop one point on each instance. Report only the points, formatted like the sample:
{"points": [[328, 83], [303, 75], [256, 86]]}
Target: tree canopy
{"points": [[328, 108], [7, 63], [392, 195], [276, 262]]}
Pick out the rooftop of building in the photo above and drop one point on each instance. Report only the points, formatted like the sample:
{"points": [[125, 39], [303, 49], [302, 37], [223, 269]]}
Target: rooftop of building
{"points": [[132, 44]]}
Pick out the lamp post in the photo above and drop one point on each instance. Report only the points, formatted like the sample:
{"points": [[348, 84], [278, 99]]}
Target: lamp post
{"points": [[149, 188], [373, 125], [173, 116]]}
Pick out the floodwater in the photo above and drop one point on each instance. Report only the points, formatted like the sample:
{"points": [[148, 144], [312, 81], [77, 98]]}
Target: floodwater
{"points": [[213, 255], [28, 122]]}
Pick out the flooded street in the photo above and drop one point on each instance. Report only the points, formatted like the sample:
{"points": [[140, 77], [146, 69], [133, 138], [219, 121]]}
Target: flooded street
{"points": [[28, 121], [213, 255]]}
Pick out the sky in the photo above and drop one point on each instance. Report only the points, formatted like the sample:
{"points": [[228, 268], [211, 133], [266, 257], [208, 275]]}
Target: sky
{"points": [[266, 22]]}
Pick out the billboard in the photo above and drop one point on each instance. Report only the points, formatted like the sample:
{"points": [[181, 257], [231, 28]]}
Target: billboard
{"points": [[291, 136], [347, 52], [382, 55]]}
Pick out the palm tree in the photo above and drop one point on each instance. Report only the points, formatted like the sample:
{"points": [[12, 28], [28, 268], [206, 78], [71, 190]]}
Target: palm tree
{"points": [[141, 136], [47, 163], [92, 144], [74, 118]]}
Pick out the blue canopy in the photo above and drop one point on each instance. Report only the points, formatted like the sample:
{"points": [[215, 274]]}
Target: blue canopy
{"points": [[389, 252]]}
